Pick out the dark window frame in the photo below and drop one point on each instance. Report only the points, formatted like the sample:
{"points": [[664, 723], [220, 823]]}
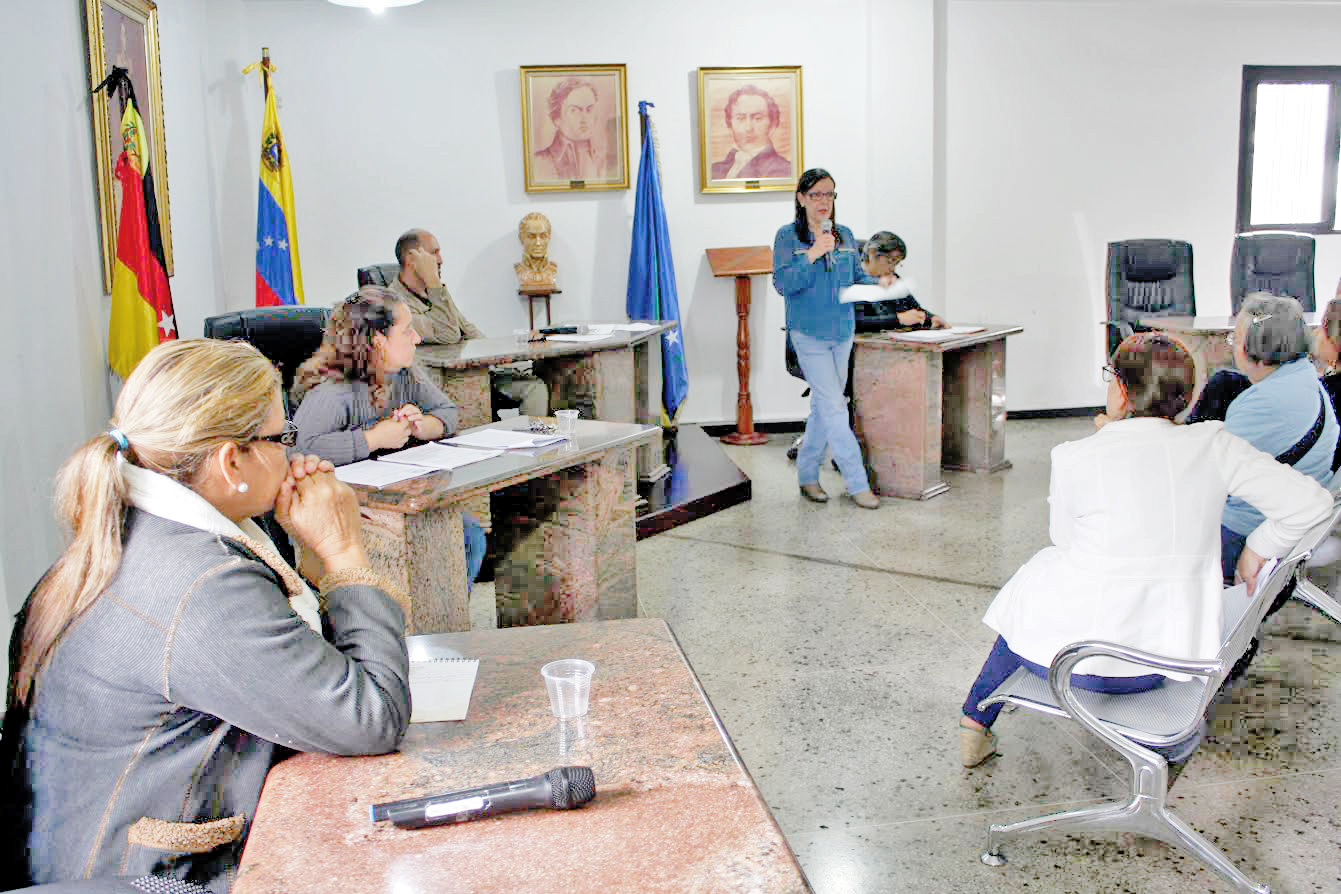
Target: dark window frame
{"points": [[1253, 75]]}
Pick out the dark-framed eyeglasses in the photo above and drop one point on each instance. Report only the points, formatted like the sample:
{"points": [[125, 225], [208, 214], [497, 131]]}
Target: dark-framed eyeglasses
{"points": [[287, 438], [1111, 374], [816, 196]]}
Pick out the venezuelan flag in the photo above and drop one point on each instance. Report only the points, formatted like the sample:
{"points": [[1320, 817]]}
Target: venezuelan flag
{"points": [[279, 277], [142, 314]]}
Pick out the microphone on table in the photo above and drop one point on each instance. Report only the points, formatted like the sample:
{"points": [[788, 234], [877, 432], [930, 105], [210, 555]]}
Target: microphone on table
{"points": [[562, 788], [827, 226]]}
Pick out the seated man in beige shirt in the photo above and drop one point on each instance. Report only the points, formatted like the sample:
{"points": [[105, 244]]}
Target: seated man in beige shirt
{"points": [[439, 321]]}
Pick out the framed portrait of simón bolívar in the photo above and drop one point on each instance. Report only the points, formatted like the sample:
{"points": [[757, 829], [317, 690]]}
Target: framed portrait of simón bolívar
{"points": [[749, 124], [574, 129], [124, 33]]}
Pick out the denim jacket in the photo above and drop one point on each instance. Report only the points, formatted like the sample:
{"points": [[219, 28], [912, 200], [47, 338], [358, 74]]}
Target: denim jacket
{"points": [[811, 290]]}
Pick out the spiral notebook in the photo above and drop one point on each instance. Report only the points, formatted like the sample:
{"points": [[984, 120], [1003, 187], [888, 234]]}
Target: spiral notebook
{"points": [[440, 688]]}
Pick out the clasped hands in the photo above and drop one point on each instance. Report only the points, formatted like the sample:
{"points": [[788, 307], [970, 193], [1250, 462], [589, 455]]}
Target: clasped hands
{"points": [[392, 433], [321, 512]]}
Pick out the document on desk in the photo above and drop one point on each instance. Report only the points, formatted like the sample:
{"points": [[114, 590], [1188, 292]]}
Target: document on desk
{"points": [[935, 335], [635, 327], [439, 456], [440, 688], [372, 473], [577, 336], [503, 439]]}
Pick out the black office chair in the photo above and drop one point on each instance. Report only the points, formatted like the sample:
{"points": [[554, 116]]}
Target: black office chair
{"points": [[1279, 263], [378, 274], [286, 335], [1147, 277]]}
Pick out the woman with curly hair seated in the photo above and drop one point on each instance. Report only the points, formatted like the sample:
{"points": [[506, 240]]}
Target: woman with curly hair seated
{"points": [[359, 393]]}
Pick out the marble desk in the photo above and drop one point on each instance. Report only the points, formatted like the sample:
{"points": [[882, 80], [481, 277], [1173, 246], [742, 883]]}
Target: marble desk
{"points": [[1205, 337], [675, 809], [566, 542], [922, 406], [616, 379]]}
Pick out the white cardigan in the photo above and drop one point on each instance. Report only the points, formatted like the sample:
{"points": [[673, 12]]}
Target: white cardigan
{"points": [[1135, 523]]}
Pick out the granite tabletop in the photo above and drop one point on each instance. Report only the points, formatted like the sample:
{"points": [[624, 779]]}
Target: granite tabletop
{"points": [[481, 352], [1209, 325], [590, 439], [675, 809]]}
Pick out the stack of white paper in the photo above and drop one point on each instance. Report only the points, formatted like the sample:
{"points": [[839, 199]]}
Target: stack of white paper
{"points": [[371, 473], [439, 456], [936, 335], [503, 439], [440, 688]]}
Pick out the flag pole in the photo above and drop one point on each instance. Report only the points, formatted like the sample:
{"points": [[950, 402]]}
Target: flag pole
{"points": [[265, 71]]}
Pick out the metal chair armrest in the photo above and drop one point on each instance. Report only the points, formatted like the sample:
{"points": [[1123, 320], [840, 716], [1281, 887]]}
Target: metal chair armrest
{"points": [[1063, 665]]}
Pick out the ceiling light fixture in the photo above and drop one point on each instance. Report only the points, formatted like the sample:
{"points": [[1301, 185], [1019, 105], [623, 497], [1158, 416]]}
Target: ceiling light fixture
{"points": [[375, 5]]}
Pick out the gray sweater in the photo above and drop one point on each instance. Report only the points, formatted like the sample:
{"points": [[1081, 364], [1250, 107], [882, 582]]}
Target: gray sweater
{"points": [[333, 416], [172, 696]]}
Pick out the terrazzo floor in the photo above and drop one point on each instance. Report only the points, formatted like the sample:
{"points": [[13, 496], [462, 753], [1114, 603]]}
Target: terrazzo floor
{"points": [[837, 645]]}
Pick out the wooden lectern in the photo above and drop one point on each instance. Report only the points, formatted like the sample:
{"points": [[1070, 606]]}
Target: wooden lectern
{"points": [[742, 263]]}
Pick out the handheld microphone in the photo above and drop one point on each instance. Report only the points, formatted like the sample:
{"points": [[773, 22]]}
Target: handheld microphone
{"points": [[561, 789], [827, 226]]}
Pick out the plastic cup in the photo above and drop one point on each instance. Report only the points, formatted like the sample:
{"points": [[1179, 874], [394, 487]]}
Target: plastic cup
{"points": [[568, 682], [509, 414], [522, 336], [567, 421]]}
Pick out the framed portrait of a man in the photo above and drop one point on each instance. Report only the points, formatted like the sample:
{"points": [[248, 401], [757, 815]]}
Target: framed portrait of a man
{"points": [[574, 130], [749, 124], [124, 33]]}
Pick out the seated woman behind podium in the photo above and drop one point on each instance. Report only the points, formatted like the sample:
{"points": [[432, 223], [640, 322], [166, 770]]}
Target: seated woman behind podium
{"points": [[169, 656], [881, 255], [1134, 519], [360, 394]]}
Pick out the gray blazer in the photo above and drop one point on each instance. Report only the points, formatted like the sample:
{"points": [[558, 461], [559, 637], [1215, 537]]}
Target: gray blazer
{"points": [[176, 691], [332, 417]]}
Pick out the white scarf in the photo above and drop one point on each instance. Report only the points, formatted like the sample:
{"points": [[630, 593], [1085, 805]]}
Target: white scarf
{"points": [[160, 495]]}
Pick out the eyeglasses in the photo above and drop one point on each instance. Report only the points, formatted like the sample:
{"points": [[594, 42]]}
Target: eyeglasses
{"points": [[287, 438], [821, 196], [1111, 374]]}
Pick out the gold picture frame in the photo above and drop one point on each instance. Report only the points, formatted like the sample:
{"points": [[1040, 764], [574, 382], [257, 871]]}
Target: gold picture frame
{"points": [[575, 133], [749, 125], [125, 33]]}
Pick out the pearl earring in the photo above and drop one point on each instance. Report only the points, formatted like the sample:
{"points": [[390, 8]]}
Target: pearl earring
{"points": [[243, 488]]}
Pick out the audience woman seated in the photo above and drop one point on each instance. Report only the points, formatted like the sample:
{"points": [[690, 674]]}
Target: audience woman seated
{"points": [[1274, 402], [169, 657], [1327, 356], [360, 394], [1134, 511]]}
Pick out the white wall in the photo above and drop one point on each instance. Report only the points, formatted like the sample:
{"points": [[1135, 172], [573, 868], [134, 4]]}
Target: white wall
{"points": [[1070, 125], [57, 391], [412, 119], [54, 391]]}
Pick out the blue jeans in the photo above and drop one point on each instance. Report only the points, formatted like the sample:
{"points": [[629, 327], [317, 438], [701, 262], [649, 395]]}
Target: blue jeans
{"points": [[1231, 547], [474, 547], [1003, 662], [824, 363]]}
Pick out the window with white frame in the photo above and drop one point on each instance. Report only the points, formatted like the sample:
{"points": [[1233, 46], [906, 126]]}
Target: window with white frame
{"points": [[1289, 140]]}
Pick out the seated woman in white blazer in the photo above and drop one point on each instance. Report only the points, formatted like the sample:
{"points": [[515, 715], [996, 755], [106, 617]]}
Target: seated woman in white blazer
{"points": [[1135, 526]]}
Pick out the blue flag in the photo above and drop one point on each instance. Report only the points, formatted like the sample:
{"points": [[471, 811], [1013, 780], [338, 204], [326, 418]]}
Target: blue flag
{"points": [[651, 293]]}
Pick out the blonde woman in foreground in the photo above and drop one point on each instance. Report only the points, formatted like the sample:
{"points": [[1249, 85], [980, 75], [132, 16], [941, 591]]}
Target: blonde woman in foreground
{"points": [[169, 657]]}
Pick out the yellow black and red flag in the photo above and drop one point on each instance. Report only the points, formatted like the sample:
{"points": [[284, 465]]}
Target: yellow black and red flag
{"points": [[142, 314]]}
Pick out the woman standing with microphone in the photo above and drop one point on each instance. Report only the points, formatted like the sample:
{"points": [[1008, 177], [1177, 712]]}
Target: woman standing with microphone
{"points": [[813, 258]]}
